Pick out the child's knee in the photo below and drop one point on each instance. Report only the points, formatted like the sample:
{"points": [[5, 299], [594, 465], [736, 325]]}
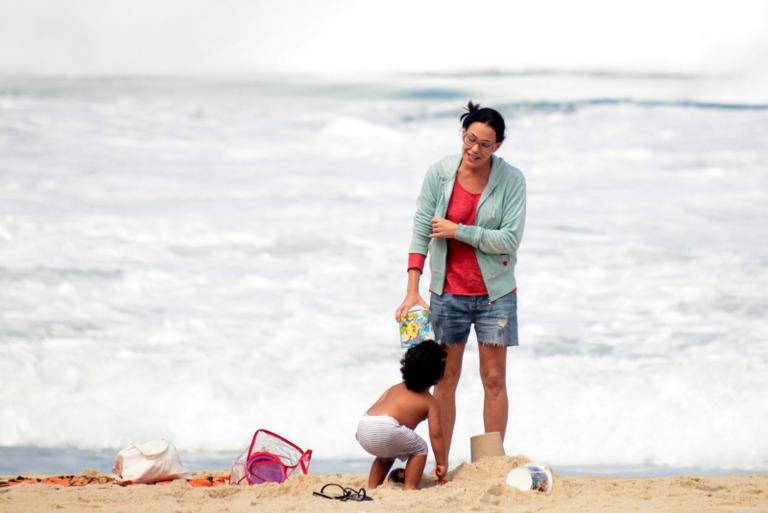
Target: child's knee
{"points": [[416, 460]]}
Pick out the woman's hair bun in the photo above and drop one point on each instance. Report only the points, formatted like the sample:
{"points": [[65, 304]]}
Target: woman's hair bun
{"points": [[470, 108]]}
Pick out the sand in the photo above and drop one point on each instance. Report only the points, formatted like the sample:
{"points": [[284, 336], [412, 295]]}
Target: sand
{"points": [[477, 487]]}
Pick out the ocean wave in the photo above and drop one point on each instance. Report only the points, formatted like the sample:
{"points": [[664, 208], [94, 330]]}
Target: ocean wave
{"points": [[538, 84], [587, 73], [529, 108], [53, 275]]}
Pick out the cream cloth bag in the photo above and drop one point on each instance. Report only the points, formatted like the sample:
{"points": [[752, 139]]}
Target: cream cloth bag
{"points": [[156, 460]]}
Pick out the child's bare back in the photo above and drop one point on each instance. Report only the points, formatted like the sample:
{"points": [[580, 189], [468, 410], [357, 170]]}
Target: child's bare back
{"points": [[407, 407]]}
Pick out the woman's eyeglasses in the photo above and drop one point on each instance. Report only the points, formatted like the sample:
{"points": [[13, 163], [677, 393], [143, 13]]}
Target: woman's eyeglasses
{"points": [[470, 140]]}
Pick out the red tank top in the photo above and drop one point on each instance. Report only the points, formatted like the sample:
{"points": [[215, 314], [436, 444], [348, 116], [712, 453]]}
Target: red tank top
{"points": [[462, 272]]}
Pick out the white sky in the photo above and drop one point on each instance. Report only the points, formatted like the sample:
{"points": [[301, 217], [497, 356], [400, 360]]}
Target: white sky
{"points": [[246, 36]]}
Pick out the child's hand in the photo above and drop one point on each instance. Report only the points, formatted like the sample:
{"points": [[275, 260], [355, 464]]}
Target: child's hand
{"points": [[440, 471]]}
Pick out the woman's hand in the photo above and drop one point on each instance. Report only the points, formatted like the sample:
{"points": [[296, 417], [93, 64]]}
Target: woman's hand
{"points": [[443, 228], [411, 299]]}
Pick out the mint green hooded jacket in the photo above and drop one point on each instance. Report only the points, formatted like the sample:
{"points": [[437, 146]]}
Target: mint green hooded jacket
{"points": [[497, 231]]}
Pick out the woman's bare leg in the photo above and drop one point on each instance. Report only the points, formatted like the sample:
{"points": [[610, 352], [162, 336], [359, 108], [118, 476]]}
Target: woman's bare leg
{"points": [[445, 391], [493, 373]]}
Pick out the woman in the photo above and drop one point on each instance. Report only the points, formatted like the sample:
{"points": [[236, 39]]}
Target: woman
{"points": [[470, 218]]}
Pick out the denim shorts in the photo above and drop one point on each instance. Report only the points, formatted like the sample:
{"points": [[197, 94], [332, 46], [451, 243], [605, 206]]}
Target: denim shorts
{"points": [[495, 322]]}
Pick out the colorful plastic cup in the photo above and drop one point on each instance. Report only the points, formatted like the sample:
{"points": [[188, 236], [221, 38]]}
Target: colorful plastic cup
{"points": [[415, 328]]}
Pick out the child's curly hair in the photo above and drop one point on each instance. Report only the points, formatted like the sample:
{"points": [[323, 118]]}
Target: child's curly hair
{"points": [[423, 365]]}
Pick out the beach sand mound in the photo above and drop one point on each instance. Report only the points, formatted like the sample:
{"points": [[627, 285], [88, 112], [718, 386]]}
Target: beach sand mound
{"points": [[476, 487]]}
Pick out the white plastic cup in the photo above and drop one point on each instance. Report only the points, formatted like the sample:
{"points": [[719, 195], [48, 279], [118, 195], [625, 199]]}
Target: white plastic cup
{"points": [[531, 477]]}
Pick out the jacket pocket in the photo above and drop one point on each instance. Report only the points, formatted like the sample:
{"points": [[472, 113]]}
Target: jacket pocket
{"points": [[498, 265]]}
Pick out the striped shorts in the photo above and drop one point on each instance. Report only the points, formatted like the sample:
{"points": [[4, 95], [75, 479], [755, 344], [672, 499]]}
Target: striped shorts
{"points": [[387, 439]]}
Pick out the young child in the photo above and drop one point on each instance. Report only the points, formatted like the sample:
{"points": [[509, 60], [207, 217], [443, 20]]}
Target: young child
{"points": [[387, 429]]}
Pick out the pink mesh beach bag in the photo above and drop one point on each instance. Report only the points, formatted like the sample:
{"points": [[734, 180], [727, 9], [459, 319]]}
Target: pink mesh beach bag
{"points": [[269, 459]]}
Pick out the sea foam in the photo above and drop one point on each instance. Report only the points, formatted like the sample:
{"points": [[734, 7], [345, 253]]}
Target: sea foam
{"points": [[186, 260]]}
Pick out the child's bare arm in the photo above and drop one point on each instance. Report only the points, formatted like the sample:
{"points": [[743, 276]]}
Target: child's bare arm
{"points": [[437, 439]]}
